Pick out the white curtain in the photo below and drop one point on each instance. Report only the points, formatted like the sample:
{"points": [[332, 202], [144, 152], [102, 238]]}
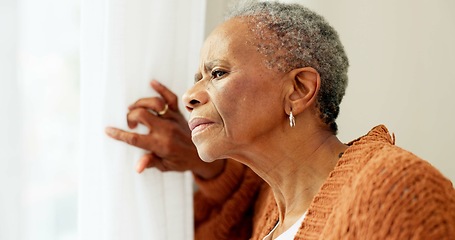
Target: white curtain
{"points": [[9, 124], [125, 44], [38, 105]]}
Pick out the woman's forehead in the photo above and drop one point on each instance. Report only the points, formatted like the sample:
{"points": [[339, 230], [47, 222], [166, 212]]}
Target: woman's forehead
{"points": [[232, 37]]}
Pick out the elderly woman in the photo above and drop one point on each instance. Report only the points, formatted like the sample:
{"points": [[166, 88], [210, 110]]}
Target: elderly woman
{"points": [[266, 97]]}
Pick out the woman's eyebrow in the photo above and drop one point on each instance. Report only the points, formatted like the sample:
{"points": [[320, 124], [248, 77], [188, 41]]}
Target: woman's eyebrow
{"points": [[208, 66]]}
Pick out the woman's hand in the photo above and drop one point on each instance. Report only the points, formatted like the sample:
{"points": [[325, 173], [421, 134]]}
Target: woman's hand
{"points": [[168, 138]]}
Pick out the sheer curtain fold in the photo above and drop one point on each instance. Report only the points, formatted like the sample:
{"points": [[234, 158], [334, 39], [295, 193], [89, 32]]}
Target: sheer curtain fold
{"points": [[125, 44], [10, 181]]}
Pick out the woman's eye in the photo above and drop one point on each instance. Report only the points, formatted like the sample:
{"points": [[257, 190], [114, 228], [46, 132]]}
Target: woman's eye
{"points": [[218, 73]]}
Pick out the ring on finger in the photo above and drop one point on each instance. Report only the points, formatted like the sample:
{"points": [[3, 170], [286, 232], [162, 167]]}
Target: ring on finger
{"points": [[162, 112]]}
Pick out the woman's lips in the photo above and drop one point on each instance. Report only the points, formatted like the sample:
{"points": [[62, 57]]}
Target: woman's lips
{"points": [[198, 124]]}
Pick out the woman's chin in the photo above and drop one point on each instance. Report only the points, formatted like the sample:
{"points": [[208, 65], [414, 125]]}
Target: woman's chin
{"points": [[206, 157], [207, 153], [210, 151]]}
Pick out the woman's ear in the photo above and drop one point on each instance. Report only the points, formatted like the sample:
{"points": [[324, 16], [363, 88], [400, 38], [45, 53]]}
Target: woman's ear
{"points": [[306, 83]]}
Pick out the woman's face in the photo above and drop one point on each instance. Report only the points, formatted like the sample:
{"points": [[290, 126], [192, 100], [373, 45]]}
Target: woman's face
{"points": [[236, 103]]}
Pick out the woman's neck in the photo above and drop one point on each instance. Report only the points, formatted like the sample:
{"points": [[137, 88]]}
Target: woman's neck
{"points": [[295, 169]]}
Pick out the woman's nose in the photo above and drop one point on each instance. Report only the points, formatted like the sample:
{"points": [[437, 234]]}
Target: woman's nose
{"points": [[195, 96]]}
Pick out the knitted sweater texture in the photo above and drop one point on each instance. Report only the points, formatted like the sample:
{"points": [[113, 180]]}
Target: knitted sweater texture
{"points": [[376, 191]]}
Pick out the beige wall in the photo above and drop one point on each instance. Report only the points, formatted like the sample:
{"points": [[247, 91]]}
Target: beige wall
{"points": [[402, 74]]}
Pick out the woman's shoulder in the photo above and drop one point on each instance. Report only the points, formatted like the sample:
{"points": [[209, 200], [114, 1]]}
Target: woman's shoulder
{"points": [[394, 167], [384, 168], [376, 156], [381, 160], [395, 188], [392, 194]]}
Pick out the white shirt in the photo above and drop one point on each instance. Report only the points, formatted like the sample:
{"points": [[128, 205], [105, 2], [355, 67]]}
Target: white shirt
{"points": [[288, 234]]}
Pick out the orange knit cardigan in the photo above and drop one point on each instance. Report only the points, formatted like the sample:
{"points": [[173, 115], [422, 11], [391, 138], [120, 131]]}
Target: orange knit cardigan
{"points": [[376, 191]]}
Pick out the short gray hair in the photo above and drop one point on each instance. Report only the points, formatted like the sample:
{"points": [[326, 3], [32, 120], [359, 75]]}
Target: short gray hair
{"points": [[292, 36]]}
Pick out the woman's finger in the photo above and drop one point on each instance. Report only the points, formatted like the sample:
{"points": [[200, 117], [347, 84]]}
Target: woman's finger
{"points": [[158, 164], [156, 104], [144, 162], [130, 138], [169, 97], [142, 116]]}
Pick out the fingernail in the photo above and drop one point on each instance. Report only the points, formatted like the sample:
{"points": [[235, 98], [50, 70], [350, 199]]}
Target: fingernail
{"points": [[109, 131], [156, 82]]}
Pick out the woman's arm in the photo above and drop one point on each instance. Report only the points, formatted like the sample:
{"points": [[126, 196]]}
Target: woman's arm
{"points": [[224, 206]]}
